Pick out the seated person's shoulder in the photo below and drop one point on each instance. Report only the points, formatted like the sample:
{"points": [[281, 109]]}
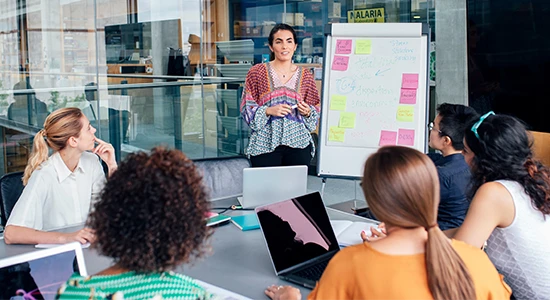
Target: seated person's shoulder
{"points": [[44, 172], [484, 274], [351, 254], [434, 156], [90, 159], [171, 282]]}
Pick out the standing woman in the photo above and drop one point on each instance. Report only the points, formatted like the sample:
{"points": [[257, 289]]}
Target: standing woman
{"points": [[59, 189], [511, 206], [280, 104]]}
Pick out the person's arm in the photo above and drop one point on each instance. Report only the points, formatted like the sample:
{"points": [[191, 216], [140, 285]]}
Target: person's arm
{"points": [[491, 207], [254, 115], [311, 95], [107, 153], [23, 235]]}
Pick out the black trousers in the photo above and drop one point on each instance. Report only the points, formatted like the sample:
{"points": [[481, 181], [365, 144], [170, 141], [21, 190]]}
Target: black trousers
{"points": [[283, 156]]}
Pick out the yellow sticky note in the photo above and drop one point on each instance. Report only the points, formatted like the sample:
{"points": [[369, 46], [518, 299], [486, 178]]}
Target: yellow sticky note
{"points": [[336, 134], [338, 102], [363, 46], [405, 113], [347, 120]]}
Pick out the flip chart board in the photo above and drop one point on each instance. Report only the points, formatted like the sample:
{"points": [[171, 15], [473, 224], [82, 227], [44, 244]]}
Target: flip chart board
{"points": [[375, 93]]}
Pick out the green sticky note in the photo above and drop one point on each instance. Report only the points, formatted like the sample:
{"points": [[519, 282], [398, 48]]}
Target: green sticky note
{"points": [[336, 134], [362, 46], [405, 113], [347, 120], [338, 102]]}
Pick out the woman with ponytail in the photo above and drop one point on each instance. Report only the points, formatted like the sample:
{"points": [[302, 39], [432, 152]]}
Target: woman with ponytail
{"points": [[59, 189], [511, 206], [415, 260]]}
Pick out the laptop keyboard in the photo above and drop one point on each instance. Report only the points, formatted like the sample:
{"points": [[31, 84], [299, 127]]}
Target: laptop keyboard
{"points": [[313, 272]]}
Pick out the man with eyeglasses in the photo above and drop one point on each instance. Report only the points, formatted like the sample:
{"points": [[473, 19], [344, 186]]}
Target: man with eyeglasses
{"points": [[446, 136]]}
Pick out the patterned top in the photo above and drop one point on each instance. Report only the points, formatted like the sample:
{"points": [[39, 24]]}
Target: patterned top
{"points": [[264, 89], [130, 285], [520, 251]]}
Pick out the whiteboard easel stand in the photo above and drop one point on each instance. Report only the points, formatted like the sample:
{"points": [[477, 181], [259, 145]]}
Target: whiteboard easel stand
{"points": [[324, 182]]}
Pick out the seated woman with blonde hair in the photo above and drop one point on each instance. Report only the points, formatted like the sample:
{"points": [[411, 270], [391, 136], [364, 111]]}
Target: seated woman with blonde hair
{"points": [[59, 189], [415, 260]]}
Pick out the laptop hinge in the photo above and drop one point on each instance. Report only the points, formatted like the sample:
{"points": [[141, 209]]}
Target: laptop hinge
{"points": [[312, 261]]}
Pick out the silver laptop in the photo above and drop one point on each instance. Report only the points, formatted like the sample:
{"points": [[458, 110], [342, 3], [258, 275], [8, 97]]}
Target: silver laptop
{"points": [[39, 274], [299, 238], [272, 184]]}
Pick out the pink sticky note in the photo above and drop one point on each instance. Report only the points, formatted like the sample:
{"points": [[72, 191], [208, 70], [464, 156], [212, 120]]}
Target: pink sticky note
{"points": [[408, 96], [340, 63], [343, 46], [406, 137], [387, 137], [410, 81]]}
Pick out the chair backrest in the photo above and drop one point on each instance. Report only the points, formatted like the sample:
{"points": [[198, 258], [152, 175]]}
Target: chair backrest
{"points": [[541, 146], [223, 176], [11, 187]]}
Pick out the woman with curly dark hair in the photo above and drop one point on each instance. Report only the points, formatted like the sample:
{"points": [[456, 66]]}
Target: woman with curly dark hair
{"points": [[511, 206], [149, 220]]}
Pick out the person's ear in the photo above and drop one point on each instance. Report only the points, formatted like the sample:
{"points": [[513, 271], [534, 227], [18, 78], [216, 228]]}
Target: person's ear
{"points": [[73, 142], [447, 140]]}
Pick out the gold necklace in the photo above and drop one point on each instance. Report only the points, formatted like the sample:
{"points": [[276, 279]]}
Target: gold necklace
{"points": [[282, 73]]}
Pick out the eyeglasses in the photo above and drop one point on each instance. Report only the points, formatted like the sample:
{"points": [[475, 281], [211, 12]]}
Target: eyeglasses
{"points": [[431, 127], [476, 125]]}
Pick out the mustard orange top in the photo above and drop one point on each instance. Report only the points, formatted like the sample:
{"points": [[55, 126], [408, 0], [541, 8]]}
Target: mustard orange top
{"points": [[361, 272]]}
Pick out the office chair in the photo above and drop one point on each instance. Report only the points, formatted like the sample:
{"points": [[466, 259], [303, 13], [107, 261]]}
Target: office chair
{"points": [[11, 187]]}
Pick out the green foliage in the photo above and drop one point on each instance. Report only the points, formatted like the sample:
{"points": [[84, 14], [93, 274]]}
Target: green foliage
{"points": [[56, 101]]}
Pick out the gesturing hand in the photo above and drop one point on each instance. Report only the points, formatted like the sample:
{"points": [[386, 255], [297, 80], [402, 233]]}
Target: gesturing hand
{"points": [[303, 108], [279, 110], [283, 292], [107, 153], [376, 233], [83, 236]]}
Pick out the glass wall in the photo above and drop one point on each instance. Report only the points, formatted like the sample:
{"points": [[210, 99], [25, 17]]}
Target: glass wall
{"points": [[509, 58], [152, 73]]}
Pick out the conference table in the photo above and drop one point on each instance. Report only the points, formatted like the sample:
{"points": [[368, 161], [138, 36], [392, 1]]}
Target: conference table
{"points": [[237, 261]]}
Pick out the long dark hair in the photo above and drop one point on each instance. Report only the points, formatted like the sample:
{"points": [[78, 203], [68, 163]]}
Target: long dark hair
{"points": [[503, 152], [275, 29]]}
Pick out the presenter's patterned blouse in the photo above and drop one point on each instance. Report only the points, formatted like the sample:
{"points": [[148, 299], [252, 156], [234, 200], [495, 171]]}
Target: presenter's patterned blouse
{"points": [[264, 89]]}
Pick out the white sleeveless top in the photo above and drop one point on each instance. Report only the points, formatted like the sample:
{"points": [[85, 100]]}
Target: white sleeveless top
{"points": [[521, 251]]}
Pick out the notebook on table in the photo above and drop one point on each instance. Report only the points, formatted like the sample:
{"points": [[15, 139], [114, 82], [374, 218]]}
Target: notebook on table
{"points": [[39, 274], [246, 222], [272, 184], [299, 238]]}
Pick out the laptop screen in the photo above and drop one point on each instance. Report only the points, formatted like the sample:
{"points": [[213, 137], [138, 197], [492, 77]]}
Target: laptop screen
{"points": [[263, 185], [296, 230], [39, 274]]}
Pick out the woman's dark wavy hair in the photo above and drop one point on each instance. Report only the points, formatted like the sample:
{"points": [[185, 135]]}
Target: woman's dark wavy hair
{"points": [[150, 217], [275, 29], [503, 151]]}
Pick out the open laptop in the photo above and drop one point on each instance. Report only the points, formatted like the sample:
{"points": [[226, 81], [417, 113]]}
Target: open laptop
{"points": [[299, 238], [39, 274], [272, 184]]}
